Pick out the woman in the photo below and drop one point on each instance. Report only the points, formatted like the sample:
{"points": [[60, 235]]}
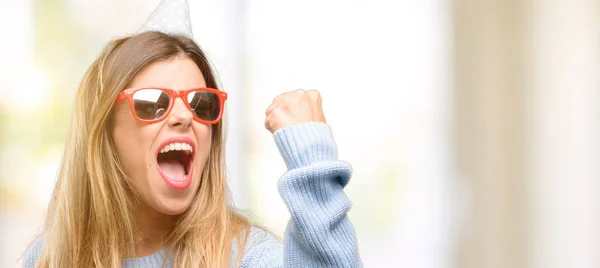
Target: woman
{"points": [[142, 181]]}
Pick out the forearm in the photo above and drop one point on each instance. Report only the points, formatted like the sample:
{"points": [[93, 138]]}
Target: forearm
{"points": [[319, 233]]}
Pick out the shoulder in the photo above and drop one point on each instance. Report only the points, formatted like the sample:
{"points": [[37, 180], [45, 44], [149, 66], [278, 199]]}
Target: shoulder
{"points": [[262, 249], [33, 253], [258, 237]]}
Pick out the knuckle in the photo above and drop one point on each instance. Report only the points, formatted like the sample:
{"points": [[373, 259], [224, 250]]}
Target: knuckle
{"points": [[280, 97], [279, 111], [284, 107], [269, 122]]}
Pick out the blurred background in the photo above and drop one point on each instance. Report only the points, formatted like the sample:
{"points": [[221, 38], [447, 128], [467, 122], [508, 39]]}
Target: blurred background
{"points": [[473, 126]]}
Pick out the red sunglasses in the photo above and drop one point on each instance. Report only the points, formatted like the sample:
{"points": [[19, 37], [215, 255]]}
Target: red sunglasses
{"points": [[151, 104]]}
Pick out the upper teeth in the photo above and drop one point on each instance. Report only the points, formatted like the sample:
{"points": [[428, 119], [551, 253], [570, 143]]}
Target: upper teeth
{"points": [[177, 146]]}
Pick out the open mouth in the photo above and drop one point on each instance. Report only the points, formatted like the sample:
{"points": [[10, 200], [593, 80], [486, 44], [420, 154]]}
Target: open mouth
{"points": [[175, 162]]}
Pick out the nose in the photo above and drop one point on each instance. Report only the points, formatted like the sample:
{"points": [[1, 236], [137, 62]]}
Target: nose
{"points": [[180, 117]]}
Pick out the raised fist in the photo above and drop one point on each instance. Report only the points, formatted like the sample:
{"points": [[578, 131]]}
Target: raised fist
{"points": [[294, 107]]}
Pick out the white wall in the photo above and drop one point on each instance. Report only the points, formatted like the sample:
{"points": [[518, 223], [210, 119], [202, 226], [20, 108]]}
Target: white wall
{"points": [[564, 140]]}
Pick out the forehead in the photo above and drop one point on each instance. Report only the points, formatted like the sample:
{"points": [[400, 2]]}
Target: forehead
{"points": [[176, 73]]}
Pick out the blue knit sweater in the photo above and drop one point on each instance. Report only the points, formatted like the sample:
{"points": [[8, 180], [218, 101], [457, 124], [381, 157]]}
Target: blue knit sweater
{"points": [[319, 233]]}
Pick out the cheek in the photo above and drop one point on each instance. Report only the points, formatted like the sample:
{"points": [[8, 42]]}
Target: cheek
{"points": [[132, 142], [204, 138]]}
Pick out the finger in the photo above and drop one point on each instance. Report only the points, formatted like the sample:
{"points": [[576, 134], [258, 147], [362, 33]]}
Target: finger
{"points": [[271, 107], [272, 122], [316, 105], [287, 95], [269, 122], [268, 125], [315, 100], [281, 98], [293, 96], [314, 96], [284, 97]]}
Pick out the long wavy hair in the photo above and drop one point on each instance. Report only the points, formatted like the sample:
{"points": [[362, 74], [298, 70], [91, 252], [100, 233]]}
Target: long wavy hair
{"points": [[90, 220]]}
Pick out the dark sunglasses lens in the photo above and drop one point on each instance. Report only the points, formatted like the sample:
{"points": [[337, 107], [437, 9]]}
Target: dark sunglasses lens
{"points": [[205, 104], [150, 104]]}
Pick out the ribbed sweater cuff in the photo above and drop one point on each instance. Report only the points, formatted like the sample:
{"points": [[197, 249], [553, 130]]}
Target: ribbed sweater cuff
{"points": [[304, 144]]}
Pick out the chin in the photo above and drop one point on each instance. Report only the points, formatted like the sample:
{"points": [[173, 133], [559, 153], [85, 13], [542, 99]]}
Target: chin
{"points": [[167, 200], [173, 206]]}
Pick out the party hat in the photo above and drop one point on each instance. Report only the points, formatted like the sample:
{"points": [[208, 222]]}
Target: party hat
{"points": [[170, 16]]}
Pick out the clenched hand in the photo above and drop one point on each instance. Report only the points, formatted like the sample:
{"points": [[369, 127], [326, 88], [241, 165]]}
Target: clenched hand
{"points": [[294, 107]]}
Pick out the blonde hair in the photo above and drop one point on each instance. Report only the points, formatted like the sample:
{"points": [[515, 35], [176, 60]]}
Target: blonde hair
{"points": [[90, 221]]}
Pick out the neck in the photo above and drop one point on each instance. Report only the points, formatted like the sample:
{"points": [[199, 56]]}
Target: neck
{"points": [[152, 229]]}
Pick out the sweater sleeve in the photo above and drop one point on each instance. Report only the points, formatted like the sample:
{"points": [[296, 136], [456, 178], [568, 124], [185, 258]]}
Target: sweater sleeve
{"points": [[319, 233], [33, 253]]}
